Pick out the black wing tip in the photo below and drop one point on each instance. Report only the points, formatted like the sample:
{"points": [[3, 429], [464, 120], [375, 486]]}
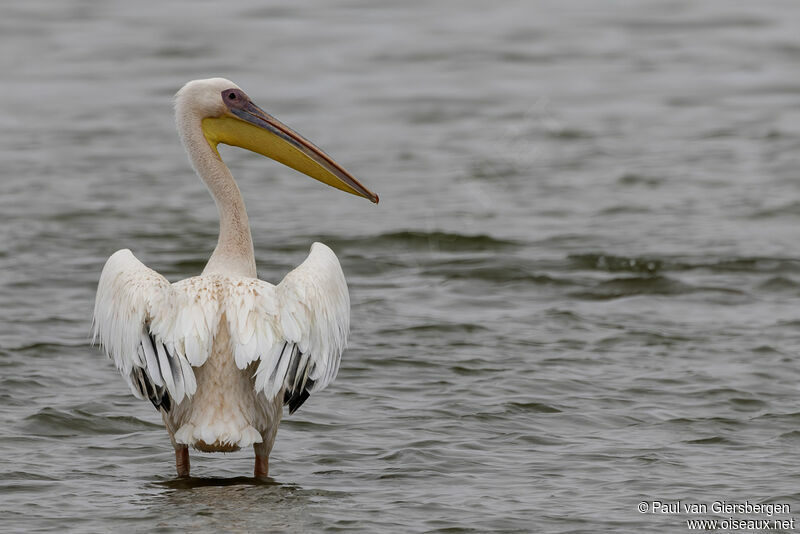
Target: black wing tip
{"points": [[166, 403], [295, 399], [158, 396], [296, 391]]}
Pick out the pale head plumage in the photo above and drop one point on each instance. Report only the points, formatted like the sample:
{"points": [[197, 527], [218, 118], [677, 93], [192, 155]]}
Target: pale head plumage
{"points": [[202, 99]]}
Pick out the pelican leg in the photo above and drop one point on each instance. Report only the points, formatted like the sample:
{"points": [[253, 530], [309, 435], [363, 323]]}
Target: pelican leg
{"points": [[261, 468], [182, 461]]}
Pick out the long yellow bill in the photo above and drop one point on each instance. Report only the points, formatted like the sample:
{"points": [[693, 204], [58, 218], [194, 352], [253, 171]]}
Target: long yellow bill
{"points": [[248, 126]]}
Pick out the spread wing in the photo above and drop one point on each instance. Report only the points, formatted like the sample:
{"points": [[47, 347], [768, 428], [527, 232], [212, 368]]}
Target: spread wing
{"points": [[154, 331], [296, 330]]}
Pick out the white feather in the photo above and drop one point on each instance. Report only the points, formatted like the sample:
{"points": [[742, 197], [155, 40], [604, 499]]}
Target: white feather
{"points": [[132, 298], [190, 383], [308, 313], [313, 313], [166, 372], [185, 434], [151, 359]]}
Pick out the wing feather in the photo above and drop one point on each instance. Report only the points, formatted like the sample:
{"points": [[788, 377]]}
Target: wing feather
{"points": [[301, 328], [128, 293], [134, 320], [151, 360], [156, 332]]}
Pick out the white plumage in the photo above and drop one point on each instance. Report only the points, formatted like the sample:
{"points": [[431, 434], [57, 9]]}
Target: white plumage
{"points": [[220, 353], [309, 309], [302, 323]]}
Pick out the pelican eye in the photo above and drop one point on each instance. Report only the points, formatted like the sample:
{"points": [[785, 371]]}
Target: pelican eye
{"points": [[234, 98]]}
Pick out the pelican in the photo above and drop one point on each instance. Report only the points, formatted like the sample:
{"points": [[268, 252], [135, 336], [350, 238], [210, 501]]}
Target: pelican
{"points": [[219, 354]]}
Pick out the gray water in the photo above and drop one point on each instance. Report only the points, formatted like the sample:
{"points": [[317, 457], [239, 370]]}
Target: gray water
{"points": [[579, 291]]}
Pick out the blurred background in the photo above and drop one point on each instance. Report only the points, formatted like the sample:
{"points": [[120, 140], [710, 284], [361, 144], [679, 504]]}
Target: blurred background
{"points": [[579, 291]]}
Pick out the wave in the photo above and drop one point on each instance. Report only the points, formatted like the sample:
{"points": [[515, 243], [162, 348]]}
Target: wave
{"points": [[645, 285], [791, 209], [637, 285], [779, 284], [51, 422], [433, 240], [611, 263], [436, 328], [501, 272], [530, 407], [656, 264]]}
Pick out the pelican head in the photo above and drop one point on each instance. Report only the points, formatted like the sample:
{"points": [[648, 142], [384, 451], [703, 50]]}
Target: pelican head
{"points": [[227, 115]]}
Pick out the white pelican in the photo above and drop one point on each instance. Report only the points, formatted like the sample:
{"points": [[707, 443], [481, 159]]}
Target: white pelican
{"points": [[220, 353]]}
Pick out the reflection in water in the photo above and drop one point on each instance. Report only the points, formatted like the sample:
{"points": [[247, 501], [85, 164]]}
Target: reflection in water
{"points": [[199, 482], [237, 504]]}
